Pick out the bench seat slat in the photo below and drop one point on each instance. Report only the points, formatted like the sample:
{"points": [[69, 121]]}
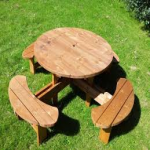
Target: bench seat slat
{"points": [[125, 110], [20, 109], [115, 106], [31, 102], [52, 111], [98, 111], [115, 110], [28, 52]]}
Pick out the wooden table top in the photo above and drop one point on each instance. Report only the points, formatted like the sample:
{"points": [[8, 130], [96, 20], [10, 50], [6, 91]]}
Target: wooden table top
{"points": [[73, 52]]}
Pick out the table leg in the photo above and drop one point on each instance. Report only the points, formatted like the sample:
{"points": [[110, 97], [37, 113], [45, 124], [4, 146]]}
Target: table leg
{"points": [[32, 68], [41, 133], [54, 81], [88, 98], [105, 134]]}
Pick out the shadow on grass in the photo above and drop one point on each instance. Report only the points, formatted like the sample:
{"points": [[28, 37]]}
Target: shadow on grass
{"points": [[130, 123], [66, 100], [108, 79], [42, 70], [65, 125]]}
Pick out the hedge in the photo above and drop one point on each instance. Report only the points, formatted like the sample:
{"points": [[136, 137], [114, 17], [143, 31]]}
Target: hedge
{"points": [[141, 10]]}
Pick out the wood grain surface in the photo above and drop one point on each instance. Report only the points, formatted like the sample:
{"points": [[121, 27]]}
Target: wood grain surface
{"points": [[73, 52], [28, 52], [117, 109], [28, 107]]}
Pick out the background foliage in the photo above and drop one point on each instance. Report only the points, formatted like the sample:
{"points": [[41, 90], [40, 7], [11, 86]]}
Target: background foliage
{"points": [[141, 9]]}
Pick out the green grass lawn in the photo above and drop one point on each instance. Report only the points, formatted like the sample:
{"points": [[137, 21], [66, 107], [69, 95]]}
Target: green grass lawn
{"points": [[21, 22]]}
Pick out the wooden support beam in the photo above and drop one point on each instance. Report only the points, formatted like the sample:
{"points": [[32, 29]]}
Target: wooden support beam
{"points": [[41, 133], [31, 63], [88, 98], [105, 134], [50, 90], [43, 90], [92, 92], [54, 82]]}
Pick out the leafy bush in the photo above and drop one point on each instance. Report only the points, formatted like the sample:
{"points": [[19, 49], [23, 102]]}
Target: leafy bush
{"points": [[141, 9]]}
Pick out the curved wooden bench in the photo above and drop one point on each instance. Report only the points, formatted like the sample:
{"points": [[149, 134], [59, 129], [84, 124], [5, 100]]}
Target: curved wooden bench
{"points": [[115, 110], [28, 53], [31, 109]]}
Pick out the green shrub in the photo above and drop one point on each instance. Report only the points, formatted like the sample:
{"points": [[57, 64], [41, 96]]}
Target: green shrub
{"points": [[141, 9]]}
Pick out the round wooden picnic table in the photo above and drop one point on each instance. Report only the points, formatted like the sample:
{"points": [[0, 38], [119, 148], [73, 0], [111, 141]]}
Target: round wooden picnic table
{"points": [[73, 52]]}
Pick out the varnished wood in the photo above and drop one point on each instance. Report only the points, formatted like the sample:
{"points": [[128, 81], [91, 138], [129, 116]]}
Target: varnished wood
{"points": [[73, 53], [20, 109], [105, 135], [32, 67], [31, 109], [41, 133], [22, 99], [28, 52], [96, 112], [50, 90], [88, 98], [91, 91], [125, 111], [117, 109], [114, 107], [42, 91], [55, 95]]}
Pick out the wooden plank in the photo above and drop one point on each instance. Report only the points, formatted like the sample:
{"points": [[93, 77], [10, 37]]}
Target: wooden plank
{"points": [[51, 90], [41, 133], [31, 63], [90, 49], [57, 50], [92, 92], [28, 52], [85, 57], [56, 65], [20, 108], [125, 111], [54, 82], [77, 49], [67, 55], [98, 88], [51, 111], [98, 111], [29, 101], [115, 106], [87, 43], [88, 98], [105, 134], [42, 90]]}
